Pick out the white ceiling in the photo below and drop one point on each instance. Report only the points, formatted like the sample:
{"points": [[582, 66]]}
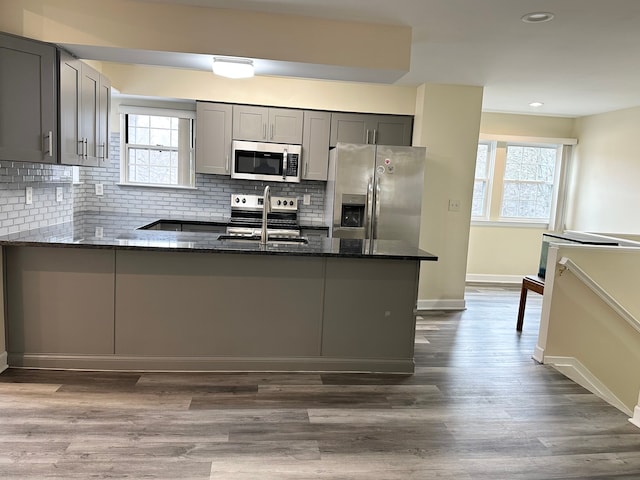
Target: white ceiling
{"points": [[584, 61]]}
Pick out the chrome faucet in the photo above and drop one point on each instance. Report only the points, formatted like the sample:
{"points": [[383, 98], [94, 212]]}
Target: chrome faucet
{"points": [[266, 209]]}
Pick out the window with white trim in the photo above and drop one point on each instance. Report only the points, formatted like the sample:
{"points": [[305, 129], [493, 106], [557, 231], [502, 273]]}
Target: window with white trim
{"points": [[517, 182], [157, 147]]}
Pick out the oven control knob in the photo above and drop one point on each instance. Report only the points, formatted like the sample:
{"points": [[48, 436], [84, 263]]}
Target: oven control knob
{"points": [[237, 199], [280, 202]]}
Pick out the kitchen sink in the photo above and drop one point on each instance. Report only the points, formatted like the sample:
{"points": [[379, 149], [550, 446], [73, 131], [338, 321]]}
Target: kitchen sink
{"points": [[274, 238]]}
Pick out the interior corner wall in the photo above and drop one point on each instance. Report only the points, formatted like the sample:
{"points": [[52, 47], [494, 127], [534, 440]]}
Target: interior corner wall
{"points": [[447, 123], [604, 193]]}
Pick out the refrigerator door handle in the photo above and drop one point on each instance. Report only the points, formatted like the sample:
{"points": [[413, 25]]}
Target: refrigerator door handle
{"points": [[367, 208], [376, 207]]}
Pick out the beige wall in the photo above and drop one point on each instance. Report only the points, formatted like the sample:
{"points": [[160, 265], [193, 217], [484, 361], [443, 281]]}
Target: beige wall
{"points": [[187, 29], [582, 326], [447, 123], [273, 91], [605, 193], [506, 253]]}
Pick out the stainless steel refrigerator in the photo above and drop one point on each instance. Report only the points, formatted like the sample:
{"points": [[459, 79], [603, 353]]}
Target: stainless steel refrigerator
{"points": [[375, 192]]}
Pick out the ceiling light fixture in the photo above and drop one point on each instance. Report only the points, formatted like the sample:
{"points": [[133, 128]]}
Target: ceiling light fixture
{"points": [[537, 17], [536, 104], [233, 68]]}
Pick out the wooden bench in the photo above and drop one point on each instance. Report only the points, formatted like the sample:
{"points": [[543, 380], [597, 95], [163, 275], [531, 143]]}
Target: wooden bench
{"points": [[530, 282]]}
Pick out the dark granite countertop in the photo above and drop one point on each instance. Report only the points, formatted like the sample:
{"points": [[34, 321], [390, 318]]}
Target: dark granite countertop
{"points": [[100, 230]]}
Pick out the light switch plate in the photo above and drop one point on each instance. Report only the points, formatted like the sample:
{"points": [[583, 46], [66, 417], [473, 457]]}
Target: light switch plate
{"points": [[99, 189], [28, 196], [59, 194], [454, 205], [306, 199]]}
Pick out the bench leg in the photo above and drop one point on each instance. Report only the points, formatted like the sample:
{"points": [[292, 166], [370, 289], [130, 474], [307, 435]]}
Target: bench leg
{"points": [[523, 301]]}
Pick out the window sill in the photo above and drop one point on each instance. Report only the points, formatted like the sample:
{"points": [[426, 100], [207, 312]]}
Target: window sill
{"points": [[153, 185], [509, 224]]}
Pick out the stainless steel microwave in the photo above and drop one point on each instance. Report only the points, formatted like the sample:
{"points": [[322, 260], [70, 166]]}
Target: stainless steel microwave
{"points": [[271, 162]]}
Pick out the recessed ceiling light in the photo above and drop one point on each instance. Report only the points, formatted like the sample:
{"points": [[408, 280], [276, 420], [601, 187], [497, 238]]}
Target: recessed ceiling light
{"points": [[537, 17], [536, 104]]}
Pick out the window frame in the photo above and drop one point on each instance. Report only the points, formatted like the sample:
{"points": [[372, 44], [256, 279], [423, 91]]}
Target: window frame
{"points": [[186, 153], [492, 216]]}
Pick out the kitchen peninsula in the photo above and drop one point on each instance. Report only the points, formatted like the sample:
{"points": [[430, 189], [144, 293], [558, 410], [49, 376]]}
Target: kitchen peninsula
{"points": [[98, 293]]}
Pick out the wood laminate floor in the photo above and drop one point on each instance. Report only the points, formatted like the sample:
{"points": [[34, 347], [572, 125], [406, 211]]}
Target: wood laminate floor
{"points": [[477, 407]]}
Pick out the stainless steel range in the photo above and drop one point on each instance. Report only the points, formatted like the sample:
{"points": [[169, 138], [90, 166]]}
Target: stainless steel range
{"points": [[246, 216]]}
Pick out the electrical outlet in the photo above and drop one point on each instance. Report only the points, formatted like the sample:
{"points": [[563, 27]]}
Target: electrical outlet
{"points": [[306, 199], [99, 189], [28, 196], [454, 205], [99, 232], [59, 194]]}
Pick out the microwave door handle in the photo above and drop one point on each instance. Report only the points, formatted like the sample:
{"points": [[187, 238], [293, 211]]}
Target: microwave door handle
{"points": [[284, 165]]}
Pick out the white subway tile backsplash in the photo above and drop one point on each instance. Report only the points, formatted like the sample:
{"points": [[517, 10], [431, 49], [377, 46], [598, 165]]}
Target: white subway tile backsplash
{"points": [[210, 199]]}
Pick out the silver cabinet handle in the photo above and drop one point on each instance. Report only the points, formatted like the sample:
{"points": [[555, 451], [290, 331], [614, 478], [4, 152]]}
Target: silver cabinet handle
{"points": [[264, 131], [226, 169], [103, 147], [272, 131], [50, 142], [85, 148], [367, 139], [81, 144], [375, 136]]}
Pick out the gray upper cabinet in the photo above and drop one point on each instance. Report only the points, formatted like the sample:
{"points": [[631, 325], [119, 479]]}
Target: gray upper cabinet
{"points": [[315, 145], [28, 99], [371, 129], [263, 124], [213, 138], [85, 102]]}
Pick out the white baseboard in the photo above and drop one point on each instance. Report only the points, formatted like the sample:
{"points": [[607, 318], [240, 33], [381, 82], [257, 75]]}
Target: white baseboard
{"points": [[3, 362], [538, 354], [424, 305], [572, 368], [495, 279], [636, 416]]}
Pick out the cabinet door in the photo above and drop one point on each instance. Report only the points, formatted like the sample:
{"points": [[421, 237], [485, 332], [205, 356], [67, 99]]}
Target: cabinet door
{"points": [[315, 145], [250, 123], [104, 121], [285, 126], [28, 96], [348, 128], [89, 107], [70, 140], [213, 138], [393, 130]]}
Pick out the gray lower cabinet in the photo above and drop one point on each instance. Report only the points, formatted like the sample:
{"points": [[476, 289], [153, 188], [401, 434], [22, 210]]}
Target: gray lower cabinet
{"points": [[85, 103], [315, 145], [180, 304], [371, 129], [28, 100], [265, 124], [157, 310], [59, 301], [368, 309], [213, 138]]}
